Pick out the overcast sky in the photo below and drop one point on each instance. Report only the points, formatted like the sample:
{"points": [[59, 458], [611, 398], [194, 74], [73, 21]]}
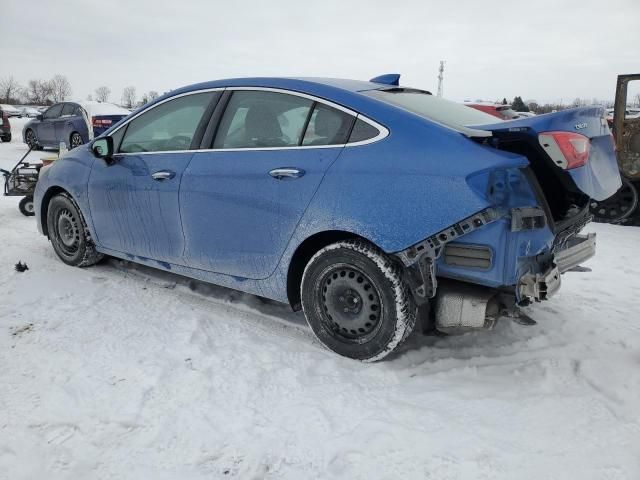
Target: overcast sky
{"points": [[543, 50]]}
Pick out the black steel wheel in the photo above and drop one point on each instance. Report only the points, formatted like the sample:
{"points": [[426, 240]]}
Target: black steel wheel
{"points": [[351, 302], [75, 140], [355, 300], [618, 207], [69, 234], [30, 138], [26, 206]]}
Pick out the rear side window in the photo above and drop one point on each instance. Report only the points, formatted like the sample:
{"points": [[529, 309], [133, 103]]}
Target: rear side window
{"points": [[168, 127], [327, 126], [259, 119], [67, 110], [53, 112], [362, 131]]}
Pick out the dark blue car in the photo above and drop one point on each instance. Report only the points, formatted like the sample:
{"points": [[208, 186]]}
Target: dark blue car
{"points": [[72, 123], [366, 204]]}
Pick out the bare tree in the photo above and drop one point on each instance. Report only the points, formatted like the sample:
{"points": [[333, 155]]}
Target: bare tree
{"points": [[60, 88], [39, 92], [9, 88], [102, 94], [637, 99], [129, 96], [153, 95]]}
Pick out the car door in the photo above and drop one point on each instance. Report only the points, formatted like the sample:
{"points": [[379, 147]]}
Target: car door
{"points": [[626, 127], [242, 199], [134, 199], [46, 128], [61, 123]]}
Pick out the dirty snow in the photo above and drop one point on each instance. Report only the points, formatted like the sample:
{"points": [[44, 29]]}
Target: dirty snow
{"points": [[123, 372]]}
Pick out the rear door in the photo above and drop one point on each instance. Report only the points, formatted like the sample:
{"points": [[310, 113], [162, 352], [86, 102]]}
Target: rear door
{"points": [[242, 199], [134, 201], [46, 128], [626, 125], [62, 123]]}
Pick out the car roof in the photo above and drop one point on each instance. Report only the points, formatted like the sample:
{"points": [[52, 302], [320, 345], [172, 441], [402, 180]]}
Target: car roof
{"points": [[288, 83]]}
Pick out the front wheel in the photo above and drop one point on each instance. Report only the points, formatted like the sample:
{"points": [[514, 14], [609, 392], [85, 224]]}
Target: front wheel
{"points": [[31, 140], [355, 300], [69, 234], [26, 206]]}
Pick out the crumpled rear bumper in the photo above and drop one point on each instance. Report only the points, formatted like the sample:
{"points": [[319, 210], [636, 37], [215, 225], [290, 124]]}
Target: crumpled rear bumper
{"points": [[541, 286], [579, 248]]}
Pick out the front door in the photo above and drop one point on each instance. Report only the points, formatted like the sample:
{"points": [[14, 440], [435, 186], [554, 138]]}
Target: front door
{"points": [[134, 201], [242, 200]]}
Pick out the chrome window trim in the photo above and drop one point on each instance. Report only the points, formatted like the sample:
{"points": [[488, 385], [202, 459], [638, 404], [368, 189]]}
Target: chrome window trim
{"points": [[383, 131]]}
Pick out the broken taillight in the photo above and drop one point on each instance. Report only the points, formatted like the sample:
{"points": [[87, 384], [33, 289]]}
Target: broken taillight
{"points": [[567, 149]]}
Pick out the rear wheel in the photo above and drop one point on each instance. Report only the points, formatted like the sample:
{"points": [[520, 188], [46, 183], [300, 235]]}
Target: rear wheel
{"points": [[26, 206], [356, 302], [75, 140], [617, 208], [69, 234], [6, 138]]}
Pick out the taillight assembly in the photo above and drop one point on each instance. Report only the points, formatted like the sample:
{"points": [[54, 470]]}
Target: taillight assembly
{"points": [[567, 149], [101, 123]]}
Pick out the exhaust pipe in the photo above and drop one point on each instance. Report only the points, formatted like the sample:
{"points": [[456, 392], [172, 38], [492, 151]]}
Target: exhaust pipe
{"points": [[460, 307]]}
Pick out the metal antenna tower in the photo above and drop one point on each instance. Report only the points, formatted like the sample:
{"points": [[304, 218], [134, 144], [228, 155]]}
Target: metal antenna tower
{"points": [[440, 77]]}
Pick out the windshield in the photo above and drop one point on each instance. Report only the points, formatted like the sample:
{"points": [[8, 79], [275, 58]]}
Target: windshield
{"points": [[451, 114]]}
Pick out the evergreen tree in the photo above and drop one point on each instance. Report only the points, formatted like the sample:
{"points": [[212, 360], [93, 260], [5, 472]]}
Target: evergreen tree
{"points": [[518, 105]]}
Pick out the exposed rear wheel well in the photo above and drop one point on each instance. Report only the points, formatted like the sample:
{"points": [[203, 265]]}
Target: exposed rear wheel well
{"points": [[303, 254], [44, 207]]}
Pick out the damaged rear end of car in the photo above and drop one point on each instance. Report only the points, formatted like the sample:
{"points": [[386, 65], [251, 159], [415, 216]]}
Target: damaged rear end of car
{"points": [[513, 252]]}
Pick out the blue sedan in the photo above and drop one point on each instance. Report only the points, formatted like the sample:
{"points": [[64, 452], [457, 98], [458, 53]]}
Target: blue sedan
{"points": [[71, 123], [366, 204]]}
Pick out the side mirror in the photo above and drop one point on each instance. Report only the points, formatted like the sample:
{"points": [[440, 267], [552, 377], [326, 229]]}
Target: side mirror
{"points": [[103, 148], [39, 117]]}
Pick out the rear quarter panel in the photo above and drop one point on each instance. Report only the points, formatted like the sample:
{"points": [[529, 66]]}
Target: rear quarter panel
{"points": [[400, 190]]}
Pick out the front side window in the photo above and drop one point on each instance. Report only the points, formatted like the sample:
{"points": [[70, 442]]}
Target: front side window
{"points": [[170, 126], [259, 119], [53, 112]]}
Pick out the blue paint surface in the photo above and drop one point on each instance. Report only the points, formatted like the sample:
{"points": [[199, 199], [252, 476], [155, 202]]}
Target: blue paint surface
{"points": [[222, 218]]}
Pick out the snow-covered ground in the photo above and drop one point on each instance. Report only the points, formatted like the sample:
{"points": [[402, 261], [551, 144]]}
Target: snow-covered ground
{"points": [[123, 372]]}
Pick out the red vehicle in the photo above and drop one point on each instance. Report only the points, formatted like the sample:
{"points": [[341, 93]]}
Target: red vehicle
{"points": [[503, 112]]}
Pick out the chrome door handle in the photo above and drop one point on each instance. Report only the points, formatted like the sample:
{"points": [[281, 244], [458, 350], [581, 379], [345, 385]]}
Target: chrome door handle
{"points": [[280, 173], [163, 175]]}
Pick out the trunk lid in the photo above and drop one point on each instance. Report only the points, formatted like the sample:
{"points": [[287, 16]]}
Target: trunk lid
{"points": [[598, 178]]}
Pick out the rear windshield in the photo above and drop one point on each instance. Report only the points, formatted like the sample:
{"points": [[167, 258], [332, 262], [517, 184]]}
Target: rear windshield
{"points": [[451, 114]]}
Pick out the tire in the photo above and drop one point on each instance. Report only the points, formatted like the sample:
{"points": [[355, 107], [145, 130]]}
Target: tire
{"points": [[617, 208], [75, 140], [26, 206], [30, 139], [69, 234], [356, 302], [7, 138]]}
